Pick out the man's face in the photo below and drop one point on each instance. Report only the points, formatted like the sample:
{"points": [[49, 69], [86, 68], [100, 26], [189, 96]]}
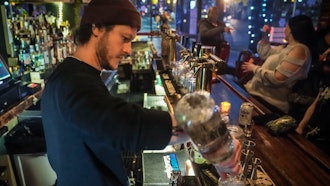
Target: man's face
{"points": [[114, 45], [213, 15]]}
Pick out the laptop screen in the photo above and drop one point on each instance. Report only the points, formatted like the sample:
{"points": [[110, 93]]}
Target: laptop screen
{"points": [[5, 75]]}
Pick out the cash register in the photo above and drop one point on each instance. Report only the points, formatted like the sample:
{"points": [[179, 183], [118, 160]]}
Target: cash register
{"points": [[9, 92], [5, 76]]}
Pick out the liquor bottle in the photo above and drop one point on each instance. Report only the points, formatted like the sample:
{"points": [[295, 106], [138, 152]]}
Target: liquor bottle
{"points": [[200, 118], [34, 59], [41, 59], [24, 56]]}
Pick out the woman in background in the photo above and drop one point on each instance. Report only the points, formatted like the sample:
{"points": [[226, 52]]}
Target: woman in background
{"points": [[284, 65]]}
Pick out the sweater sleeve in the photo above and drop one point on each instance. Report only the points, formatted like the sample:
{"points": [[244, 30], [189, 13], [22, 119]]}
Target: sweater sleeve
{"points": [[267, 77], [103, 118], [265, 50], [208, 33]]}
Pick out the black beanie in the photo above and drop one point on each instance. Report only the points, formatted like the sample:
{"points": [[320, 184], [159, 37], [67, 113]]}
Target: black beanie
{"points": [[111, 12]]}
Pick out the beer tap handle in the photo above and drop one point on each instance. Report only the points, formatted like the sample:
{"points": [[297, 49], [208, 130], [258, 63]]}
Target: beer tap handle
{"points": [[216, 58], [199, 47], [193, 45]]}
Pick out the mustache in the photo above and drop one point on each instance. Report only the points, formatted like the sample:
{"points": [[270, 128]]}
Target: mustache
{"points": [[126, 55]]}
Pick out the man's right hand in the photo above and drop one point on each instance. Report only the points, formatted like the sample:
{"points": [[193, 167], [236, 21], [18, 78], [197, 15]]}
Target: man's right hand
{"points": [[228, 29], [266, 28]]}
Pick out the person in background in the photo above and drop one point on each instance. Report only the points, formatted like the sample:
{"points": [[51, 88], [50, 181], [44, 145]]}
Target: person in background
{"points": [[86, 128], [315, 123], [211, 30], [323, 44], [305, 91], [283, 65]]}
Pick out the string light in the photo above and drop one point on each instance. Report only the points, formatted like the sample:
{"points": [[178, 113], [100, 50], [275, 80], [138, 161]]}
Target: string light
{"points": [[260, 15], [60, 14]]}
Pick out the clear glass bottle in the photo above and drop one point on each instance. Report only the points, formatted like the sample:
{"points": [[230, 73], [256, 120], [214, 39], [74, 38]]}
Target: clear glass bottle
{"points": [[199, 116], [34, 59]]}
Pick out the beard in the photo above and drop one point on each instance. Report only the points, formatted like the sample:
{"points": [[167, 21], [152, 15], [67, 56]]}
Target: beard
{"points": [[108, 55], [102, 59], [106, 59], [102, 53]]}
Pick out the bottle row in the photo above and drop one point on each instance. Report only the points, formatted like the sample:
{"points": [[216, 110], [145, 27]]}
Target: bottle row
{"points": [[38, 43]]}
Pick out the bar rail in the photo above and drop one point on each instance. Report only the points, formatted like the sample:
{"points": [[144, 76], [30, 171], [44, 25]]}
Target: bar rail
{"points": [[15, 110]]}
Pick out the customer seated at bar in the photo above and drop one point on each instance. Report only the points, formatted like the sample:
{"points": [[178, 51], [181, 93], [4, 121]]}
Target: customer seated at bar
{"points": [[315, 123], [305, 91], [323, 44], [284, 65]]}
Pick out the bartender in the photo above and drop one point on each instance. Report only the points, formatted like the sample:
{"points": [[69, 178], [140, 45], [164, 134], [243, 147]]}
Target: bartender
{"points": [[86, 128]]}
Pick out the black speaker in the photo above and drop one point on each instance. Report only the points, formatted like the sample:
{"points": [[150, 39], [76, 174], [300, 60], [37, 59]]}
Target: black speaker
{"points": [[9, 97], [156, 170]]}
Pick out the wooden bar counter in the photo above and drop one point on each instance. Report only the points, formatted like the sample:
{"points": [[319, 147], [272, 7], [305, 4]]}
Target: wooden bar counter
{"points": [[18, 108], [288, 160]]}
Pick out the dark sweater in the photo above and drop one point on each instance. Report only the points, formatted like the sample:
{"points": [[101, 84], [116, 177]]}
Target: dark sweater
{"points": [[318, 128], [209, 34], [86, 128]]}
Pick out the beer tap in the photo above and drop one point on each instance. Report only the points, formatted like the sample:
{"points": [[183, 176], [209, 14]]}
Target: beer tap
{"points": [[204, 67], [216, 58], [185, 54]]}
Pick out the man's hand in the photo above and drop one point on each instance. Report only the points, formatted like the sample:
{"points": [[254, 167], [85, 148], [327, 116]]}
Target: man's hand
{"points": [[228, 29], [266, 28], [178, 134], [248, 66], [231, 165]]}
